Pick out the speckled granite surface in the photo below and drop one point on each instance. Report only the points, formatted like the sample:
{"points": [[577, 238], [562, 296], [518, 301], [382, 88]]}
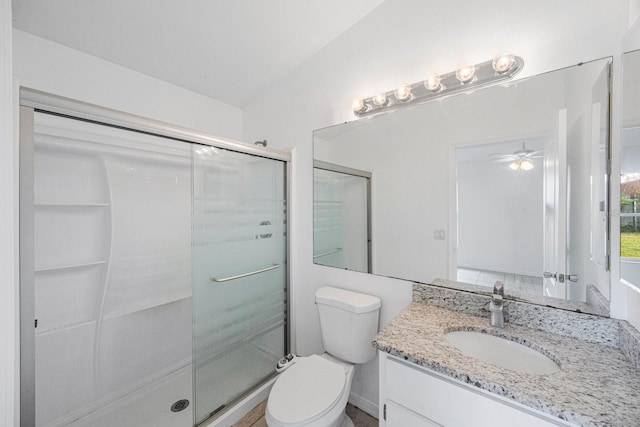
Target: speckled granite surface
{"points": [[569, 323], [597, 301], [596, 385], [578, 307], [630, 344]]}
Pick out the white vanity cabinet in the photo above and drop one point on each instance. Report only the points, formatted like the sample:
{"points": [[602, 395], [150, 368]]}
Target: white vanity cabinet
{"points": [[412, 396]]}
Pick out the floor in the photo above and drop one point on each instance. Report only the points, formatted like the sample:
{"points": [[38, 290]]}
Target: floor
{"points": [[513, 283], [255, 417]]}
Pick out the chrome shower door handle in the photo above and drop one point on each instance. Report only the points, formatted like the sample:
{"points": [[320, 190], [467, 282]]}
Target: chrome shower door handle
{"points": [[549, 275], [327, 253], [240, 276]]}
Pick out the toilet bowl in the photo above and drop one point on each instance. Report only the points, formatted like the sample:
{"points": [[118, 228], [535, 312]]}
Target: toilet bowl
{"points": [[313, 392]]}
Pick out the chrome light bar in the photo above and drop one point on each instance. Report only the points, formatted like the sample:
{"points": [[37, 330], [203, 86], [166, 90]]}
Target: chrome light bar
{"points": [[501, 68]]}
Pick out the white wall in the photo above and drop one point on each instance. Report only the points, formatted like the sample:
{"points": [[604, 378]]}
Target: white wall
{"points": [[53, 68], [9, 382], [401, 40], [500, 217]]}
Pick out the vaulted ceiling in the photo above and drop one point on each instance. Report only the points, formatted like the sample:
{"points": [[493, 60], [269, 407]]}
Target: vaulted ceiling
{"points": [[229, 50]]}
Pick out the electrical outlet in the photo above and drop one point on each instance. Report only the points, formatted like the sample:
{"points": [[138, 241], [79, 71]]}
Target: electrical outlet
{"points": [[438, 234]]}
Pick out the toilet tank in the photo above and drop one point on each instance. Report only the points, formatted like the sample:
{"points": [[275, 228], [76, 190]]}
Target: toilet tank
{"points": [[349, 322]]}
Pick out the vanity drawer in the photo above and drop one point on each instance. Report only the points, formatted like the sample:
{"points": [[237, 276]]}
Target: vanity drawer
{"points": [[450, 403]]}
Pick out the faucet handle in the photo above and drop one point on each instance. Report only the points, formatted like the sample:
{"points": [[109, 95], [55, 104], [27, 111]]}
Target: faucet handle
{"points": [[498, 288]]}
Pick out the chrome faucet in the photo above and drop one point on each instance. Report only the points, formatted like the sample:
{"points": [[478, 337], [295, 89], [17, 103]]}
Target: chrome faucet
{"points": [[496, 306]]}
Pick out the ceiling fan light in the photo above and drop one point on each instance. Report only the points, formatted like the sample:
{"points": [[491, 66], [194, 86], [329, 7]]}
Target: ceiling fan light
{"points": [[515, 165], [526, 165]]}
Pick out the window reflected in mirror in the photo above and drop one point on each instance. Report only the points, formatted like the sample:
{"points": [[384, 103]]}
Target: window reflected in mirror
{"points": [[630, 195], [630, 171]]}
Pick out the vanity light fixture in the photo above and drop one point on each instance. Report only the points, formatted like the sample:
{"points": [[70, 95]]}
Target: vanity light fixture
{"points": [[358, 105], [500, 68], [502, 63], [403, 93], [433, 83], [380, 99], [466, 74]]}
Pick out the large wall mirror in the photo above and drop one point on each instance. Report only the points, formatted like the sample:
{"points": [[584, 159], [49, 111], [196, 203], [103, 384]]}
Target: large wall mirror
{"points": [[506, 183], [630, 171]]}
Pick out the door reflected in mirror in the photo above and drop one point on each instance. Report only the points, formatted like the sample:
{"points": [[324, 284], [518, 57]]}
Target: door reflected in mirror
{"points": [[500, 215]]}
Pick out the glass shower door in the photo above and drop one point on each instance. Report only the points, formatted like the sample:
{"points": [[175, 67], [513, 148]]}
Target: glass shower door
{"points": [[110, 274], [239, 274], [341, 218]]}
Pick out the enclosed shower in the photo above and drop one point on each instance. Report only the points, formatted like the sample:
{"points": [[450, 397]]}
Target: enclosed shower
{"points": [[153, 268], [342, 217]]}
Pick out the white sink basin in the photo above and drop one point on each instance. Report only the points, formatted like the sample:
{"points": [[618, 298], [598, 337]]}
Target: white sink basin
{"points": [[501, 352]]}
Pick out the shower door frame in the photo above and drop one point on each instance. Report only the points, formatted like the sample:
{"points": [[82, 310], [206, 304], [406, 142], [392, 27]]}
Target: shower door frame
{"points": [[32, 101], [332, 167]]}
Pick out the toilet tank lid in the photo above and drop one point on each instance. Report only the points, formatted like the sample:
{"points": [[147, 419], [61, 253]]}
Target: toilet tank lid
{"points": [[354, 302]]}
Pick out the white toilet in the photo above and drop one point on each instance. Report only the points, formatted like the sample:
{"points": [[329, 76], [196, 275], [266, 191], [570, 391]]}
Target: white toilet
{"points": [[314, 391]]}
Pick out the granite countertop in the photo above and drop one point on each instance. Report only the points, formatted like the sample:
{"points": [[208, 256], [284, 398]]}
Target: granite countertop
{"points": [[596, 385]]}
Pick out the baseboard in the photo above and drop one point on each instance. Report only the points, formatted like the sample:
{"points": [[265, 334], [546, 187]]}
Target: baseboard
{"points": [[364, 404]]}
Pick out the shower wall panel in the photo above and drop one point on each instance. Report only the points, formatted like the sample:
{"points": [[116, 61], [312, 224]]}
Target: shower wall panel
{"points": [[112, 225]]}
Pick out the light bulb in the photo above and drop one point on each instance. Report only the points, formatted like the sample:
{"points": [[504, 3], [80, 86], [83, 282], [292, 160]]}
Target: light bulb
{"points": [[503, 63], [433, 83], [358, 105], [403, 92], [526, 165], [515, 165], [465, 74], [380, 98]]}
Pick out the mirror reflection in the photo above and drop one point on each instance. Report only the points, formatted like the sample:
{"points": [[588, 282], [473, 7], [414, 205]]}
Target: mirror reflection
{"points": [[630, 171], [498, 187], [503, 183], [341, 224]]}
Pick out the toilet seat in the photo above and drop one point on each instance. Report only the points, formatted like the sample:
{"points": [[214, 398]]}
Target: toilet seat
{"points": [[306, 391]]}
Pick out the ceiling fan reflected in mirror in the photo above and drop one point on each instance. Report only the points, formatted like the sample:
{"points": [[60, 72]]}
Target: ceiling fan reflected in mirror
{"points": [[520, 159]]}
